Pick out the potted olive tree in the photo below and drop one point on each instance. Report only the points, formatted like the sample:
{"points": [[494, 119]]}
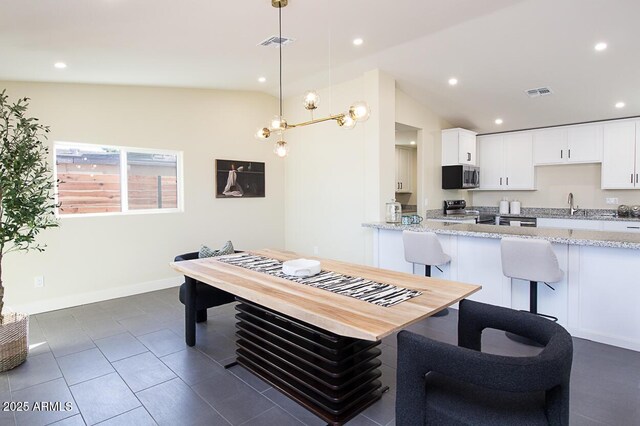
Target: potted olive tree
{"points": [[26, 208]]}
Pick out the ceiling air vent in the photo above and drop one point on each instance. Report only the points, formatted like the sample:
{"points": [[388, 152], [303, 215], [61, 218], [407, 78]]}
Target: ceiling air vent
{"points": [[540, 91], [276, 41]]}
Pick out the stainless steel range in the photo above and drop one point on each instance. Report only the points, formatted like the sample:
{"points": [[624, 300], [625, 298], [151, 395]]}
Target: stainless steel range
{"points": [[456, 210]]}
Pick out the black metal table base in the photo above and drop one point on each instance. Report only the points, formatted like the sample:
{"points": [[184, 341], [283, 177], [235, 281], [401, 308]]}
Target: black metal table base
{"points": [[334, 377]]}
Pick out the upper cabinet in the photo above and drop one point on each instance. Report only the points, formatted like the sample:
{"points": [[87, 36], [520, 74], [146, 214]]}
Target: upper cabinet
{"points": [[621, 155], [568, 144], [405, 169], [585, 143], [458, 147], [506, 161]]}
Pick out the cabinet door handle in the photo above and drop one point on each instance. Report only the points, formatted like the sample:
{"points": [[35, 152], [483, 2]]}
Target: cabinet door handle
{"points": [[560, 153], [569, 153], [468, 156], [637, 177], [500, 181], [507, 180], [633, 227]]}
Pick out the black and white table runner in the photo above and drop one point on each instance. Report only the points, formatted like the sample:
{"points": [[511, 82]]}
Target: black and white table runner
{"points": [[360, 288]]}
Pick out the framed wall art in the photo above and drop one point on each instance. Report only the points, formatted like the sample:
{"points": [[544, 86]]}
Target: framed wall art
{"points": [[239, 179]]}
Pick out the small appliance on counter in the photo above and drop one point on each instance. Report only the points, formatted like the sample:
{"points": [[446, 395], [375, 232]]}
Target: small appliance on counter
{"points": [[623, 210], [394, 212], [460, 177]]}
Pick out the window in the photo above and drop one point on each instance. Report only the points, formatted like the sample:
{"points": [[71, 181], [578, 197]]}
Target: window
{"points": [[107, 179]]}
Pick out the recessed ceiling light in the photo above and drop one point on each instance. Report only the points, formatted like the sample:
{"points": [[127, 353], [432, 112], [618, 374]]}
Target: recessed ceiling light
{"points": [[358, 41], [453, 81], [499, 121], [262, 79], [600, 46], [60, 65], [412, 143], [620, 104]]}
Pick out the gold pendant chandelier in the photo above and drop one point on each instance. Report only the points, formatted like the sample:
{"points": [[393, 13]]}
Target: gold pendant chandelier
{"points": [[357, 112]]}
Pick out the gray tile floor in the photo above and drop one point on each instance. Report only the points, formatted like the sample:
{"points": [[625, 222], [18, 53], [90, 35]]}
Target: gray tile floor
{"points": [[124, 362]]}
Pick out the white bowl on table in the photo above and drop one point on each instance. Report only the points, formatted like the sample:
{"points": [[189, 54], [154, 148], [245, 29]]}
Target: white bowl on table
{"points": [[301, 267]]}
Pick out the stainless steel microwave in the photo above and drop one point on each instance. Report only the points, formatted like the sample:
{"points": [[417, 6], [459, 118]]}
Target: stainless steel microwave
{"points": [[460, 177]]}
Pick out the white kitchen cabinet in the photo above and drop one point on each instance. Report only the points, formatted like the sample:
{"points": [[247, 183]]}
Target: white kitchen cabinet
{"points": [[620, 157], [518, 163], [568, 144], [458, 147], [622, 226], [405, 169], [506, 161], [584, 143], [595, 225], [491, 159], [550, 146]]}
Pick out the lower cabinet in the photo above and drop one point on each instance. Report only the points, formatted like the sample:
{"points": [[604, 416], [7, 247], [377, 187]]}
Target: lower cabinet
{"points": [[596, 225], [620, 226]]}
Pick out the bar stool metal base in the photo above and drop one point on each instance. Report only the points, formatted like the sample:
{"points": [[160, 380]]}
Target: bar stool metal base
{"points": [[533, 308]]}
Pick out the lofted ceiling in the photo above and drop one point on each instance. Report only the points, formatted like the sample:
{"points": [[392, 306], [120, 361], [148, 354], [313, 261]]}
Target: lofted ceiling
{"points": [[495, 48]]}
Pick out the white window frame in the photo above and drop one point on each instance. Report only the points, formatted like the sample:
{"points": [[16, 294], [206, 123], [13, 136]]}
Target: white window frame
{"points": [[124, 193]]}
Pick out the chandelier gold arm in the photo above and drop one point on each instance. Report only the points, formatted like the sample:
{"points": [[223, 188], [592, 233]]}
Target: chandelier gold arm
{"points": [[336, 117]]}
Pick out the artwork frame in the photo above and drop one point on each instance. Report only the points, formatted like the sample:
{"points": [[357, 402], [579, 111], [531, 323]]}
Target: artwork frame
{"points": [[239, 179]]}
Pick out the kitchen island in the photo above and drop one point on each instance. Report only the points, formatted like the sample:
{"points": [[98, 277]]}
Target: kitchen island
{"points": [[597, 299]]}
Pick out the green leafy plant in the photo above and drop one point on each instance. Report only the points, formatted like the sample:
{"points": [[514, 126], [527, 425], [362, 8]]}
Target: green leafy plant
{"points": [[26, 182]]}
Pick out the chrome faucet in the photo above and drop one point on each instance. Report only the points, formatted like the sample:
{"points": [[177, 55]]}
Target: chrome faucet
{"points": [[572, 210]]}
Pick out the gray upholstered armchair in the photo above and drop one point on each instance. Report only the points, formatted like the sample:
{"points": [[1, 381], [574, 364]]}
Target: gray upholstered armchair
{"points": [[442, 384]]}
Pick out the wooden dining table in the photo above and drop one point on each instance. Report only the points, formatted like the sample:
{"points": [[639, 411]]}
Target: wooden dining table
{"points": [[317, 347]]}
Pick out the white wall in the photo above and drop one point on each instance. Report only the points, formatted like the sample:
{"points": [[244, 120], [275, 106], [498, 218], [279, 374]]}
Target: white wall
{"points": [[554, 184], [337, 179], [97, 258], [429, 144]]}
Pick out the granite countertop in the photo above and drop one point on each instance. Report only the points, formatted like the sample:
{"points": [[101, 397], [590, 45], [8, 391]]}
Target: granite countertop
{"points": [[547, 213], [561, 236]]}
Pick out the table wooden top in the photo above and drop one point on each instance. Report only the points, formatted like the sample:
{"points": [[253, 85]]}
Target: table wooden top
{"points": [[342, 315]]}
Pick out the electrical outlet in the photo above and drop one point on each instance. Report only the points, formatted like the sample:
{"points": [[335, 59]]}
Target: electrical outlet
{"points": [[38, 282], [315, 250], [426, 203], [612, 200]]}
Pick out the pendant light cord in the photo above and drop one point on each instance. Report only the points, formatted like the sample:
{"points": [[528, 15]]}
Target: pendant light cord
{"points": [[280, 48]]}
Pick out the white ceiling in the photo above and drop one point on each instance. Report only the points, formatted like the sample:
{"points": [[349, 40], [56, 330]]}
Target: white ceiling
{"points": [[496, 48]]}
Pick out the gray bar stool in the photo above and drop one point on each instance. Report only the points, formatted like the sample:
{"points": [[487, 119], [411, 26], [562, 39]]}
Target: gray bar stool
{"points": [[534, 261], [424, 248]]}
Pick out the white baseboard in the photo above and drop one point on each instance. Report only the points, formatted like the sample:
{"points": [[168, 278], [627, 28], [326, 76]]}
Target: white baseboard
{"points": [[95, 296], [620, 342]]}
